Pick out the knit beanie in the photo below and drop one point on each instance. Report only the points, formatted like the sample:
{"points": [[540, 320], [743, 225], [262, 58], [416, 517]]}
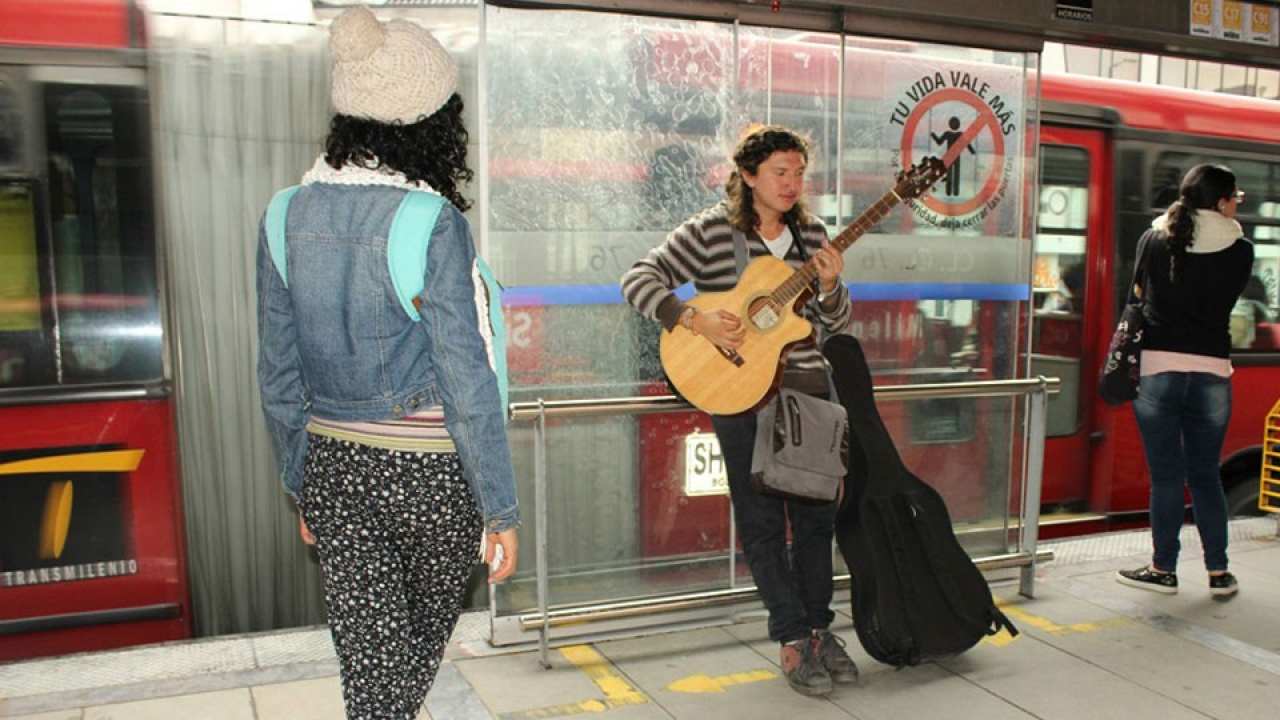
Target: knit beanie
{"points": [[392, 71]]}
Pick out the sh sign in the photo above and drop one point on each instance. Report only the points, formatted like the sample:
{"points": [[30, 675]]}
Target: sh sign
{"points": [[704, 472]]}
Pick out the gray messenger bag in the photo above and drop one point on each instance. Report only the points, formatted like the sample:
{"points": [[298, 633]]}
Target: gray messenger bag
{"points": [[802, 448]]}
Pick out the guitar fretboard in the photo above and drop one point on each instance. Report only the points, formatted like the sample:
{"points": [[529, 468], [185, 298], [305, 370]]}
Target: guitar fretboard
{"points": [[802, 278]]}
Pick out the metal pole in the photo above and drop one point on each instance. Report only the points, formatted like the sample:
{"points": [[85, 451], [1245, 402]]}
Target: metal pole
{"points": [[540, 535], [1030, 520]]}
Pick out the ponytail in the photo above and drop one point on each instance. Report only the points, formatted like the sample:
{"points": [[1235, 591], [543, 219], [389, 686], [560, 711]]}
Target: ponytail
{"points": [[1204, 187]]}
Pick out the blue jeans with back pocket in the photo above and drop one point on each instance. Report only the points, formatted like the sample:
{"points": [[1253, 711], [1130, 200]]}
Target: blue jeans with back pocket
{"points": [[1183, 420]]}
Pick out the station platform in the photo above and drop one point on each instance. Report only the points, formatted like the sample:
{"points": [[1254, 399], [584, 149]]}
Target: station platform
{"points": [[1089, 648]]}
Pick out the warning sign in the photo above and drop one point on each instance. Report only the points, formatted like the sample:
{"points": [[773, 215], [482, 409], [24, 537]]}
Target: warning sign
{"points": [[962, 118]]}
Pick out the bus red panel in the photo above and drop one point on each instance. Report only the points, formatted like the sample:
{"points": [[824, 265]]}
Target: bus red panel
{"points": [[91, 543]]}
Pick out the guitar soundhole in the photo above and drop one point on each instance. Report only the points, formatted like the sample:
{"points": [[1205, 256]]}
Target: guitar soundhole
{"points": [[764, 313]]}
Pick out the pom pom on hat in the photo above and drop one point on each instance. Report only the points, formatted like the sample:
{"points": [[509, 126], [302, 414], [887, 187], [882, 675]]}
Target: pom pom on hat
{"points": [[389, 72]]}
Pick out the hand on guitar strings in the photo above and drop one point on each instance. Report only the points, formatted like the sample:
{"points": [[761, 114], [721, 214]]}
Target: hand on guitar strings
{"points": [[830, 264], [721, 327]]}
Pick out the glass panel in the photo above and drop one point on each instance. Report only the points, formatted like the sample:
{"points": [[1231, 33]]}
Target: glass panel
{"points": [[599, 143], [1058, 280], [105, 296]]}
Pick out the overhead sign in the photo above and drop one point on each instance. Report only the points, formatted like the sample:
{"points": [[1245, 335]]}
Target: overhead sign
{"points": [[1254, 23], [1074, 10]]}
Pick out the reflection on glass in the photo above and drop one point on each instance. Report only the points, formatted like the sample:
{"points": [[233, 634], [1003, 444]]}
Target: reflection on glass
{"points": [[10, 126]]}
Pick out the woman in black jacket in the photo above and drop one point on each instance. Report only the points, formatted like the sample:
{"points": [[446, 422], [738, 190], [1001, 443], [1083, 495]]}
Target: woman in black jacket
{"points": [[1197, 264]]}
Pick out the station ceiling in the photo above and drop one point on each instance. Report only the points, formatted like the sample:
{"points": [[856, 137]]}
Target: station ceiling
{"points": [[1153, 26]]}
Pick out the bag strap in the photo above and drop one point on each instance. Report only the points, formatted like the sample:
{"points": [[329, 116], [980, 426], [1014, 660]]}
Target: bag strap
{"points": [[1139, 269], [407, 243], [741, 256], [274, 222]]}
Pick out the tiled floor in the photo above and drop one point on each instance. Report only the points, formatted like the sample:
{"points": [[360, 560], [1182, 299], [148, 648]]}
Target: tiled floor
{"points": [[1089, 648]]}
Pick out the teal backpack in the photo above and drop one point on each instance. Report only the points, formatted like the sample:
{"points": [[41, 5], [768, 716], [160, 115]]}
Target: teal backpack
{"points": [[407, 262]]}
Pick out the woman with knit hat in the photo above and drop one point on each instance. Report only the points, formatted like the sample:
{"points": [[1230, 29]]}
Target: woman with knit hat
{"points": [[386, 420]]}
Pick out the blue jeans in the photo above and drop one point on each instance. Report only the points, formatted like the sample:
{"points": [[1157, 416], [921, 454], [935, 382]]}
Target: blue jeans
{"points": [[796, 587], [1183, 421]]}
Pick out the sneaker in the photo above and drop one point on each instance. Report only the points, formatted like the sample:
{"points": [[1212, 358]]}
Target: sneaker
{"points": [[830, 650], [802, 669], [1223, 586], [1148, 579]]}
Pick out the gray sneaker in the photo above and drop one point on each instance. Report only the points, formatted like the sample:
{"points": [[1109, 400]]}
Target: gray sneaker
{"points": [[803, 670], [830, 650]]}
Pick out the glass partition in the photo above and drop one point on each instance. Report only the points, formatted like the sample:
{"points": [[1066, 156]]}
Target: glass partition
{"points": [[603, 132]]}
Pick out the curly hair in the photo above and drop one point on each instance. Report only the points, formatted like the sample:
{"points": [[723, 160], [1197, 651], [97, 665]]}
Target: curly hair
{"points": [[1204, 187], [754, 148], [432, 150]]}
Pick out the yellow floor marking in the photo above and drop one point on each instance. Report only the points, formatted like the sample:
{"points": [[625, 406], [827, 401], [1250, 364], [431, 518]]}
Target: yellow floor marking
{"points": [[703, 683], [617, 691], [1026, 619]]}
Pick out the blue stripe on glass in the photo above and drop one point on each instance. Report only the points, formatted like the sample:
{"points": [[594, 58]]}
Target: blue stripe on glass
{"points": [[612, 295]]}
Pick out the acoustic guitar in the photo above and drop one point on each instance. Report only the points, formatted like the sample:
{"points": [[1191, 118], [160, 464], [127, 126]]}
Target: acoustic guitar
{"points": [[724, 382]]}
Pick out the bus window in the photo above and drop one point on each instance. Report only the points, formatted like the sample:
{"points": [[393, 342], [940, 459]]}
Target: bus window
{"points": [[104, 288], [1254, 319], [10, 119], [23, 351], [1058, 280]]}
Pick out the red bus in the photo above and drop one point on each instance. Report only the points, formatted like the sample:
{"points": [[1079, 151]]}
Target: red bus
{"points": [[91, 538], [1111, 156]]}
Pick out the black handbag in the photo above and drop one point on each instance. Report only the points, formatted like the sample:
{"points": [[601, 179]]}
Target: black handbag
{"points": [[1122, 365]]}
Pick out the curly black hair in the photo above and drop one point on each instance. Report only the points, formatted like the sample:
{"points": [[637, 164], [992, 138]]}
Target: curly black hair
{"points": [[432, 150], [1204, 187], [753, 149]]}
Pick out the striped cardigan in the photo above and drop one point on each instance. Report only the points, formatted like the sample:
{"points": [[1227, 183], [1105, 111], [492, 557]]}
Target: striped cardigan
{"points": [[701, 251]]}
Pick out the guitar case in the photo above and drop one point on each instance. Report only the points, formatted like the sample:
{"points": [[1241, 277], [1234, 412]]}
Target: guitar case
{"points": [[917, 596]]}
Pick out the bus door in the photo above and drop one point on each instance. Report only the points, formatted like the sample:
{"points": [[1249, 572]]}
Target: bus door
{"points": [[1067, 302]]}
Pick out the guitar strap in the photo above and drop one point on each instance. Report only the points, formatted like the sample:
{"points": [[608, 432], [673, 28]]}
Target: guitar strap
{"points": [[741, 255]]}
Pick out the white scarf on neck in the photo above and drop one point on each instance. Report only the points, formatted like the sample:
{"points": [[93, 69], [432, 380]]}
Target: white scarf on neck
{"points": [[322, 172], [1213, 232]]}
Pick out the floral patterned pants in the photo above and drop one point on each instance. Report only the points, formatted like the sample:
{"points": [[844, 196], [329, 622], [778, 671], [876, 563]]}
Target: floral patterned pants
{"points": [[398, 535]]}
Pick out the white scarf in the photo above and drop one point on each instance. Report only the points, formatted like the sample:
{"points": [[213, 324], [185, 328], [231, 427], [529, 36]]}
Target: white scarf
{"points": [[1213, 231], [323, 172]]}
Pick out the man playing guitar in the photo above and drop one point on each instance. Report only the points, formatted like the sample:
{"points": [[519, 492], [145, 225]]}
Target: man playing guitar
{"points": [[764, 203]]}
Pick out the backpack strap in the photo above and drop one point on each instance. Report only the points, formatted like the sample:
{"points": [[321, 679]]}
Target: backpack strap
{"points": [[407, 246], [407, 262], [276, 217]]}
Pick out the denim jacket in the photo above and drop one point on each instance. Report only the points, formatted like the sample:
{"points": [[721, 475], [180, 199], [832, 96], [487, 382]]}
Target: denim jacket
{"points": [[337, 343]]}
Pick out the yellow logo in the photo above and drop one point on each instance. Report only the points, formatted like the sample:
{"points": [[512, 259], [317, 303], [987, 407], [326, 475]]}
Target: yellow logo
{"points": [[56, 518]]}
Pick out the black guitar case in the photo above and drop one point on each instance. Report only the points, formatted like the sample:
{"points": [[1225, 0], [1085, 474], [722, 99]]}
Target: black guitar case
{"points": [[916, 594]]}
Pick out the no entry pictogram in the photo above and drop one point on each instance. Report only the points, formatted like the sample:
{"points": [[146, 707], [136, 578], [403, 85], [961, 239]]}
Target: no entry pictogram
{"points": [[985, 120]]}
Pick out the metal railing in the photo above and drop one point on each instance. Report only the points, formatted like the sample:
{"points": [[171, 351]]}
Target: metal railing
{"points": [[1026, 557]]}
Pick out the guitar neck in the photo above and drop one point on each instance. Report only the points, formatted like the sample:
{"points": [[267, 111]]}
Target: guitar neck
{"points": [[805, 276]]}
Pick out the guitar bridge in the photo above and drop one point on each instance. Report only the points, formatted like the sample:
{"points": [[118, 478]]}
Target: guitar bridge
{"points": [[731, 355]]}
